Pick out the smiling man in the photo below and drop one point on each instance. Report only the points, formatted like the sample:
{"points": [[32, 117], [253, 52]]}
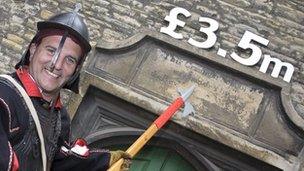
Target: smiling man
{"points": [[52, 62], [51, 78]]}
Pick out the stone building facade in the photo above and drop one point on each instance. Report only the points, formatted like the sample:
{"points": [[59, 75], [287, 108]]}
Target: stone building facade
{"points": [[118, 25]]}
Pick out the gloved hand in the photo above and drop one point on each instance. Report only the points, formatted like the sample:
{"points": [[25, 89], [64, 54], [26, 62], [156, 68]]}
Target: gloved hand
{"points": [[116, 155]]}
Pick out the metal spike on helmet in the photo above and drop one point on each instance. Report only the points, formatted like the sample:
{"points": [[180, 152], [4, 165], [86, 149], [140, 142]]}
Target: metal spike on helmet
{"points": [[72, 24], [77, 7]]}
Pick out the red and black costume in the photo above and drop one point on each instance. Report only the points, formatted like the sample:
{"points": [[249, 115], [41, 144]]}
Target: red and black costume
{"points": [[19, 142]]}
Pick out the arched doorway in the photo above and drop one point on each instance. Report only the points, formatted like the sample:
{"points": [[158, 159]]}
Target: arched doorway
{"points": [[154, 158], [162, 152], [105, 121]]}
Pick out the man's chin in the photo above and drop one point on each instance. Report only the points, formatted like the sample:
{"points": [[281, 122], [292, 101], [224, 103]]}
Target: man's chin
{"points": [[50, 91]]}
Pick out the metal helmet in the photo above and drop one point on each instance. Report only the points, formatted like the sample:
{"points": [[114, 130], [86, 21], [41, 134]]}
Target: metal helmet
{"points": [[72, 24]]}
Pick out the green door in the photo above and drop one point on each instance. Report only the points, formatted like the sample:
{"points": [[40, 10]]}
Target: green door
{"points": [[153, 158]]}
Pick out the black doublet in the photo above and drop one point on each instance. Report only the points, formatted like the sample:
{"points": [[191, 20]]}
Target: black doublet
{"points": [[18, 134], [28, 148]]}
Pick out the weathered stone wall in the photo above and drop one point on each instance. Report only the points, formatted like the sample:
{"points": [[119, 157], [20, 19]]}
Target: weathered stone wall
{"points": [[281, 22]]}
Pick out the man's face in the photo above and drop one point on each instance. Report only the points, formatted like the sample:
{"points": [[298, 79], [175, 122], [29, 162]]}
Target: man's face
{"points": [[51, 81]]}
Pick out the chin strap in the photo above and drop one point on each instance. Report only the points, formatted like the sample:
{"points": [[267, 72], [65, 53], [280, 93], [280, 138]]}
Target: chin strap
{"points": [[34, 115]]}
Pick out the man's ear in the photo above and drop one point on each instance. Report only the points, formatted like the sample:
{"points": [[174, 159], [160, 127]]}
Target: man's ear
{"points": [[32, 50]]}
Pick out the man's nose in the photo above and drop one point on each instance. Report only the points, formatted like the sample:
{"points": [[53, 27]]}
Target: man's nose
{"points": [[59, 63]]}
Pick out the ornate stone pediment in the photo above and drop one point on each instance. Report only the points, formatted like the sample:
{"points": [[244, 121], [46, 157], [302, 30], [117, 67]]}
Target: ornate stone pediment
{"points": [[235, 105]]}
